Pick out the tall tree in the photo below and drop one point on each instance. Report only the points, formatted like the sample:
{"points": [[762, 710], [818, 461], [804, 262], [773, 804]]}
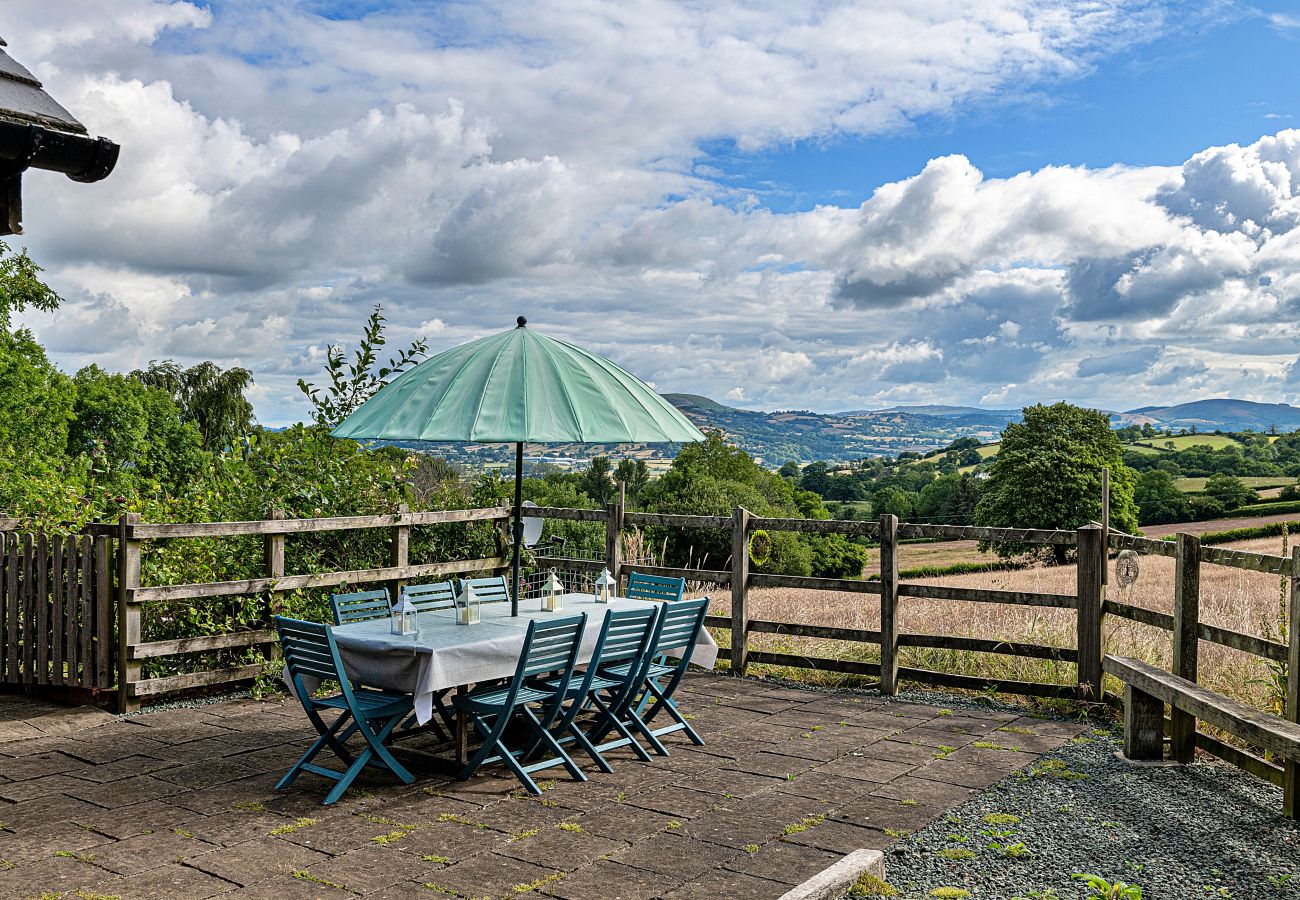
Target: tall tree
{"points": [[352, 384], [635, 474], [596, 483], [211, 398], [1048, 474]]}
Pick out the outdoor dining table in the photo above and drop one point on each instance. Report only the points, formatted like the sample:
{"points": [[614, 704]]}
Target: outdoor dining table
{"points": [[444, 654]]}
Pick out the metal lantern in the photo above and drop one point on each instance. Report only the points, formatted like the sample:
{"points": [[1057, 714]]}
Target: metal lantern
{"points": [[604, 586], [467, 612], [551, 593], [403, 615]]}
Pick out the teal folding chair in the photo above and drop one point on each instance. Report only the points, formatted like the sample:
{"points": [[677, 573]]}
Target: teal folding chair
{"points": [[641, 586], [625, 637], [490, 590], [677, 629], [360, 606], [550, 646], [430, 597], [681, 627], [310, 653]]}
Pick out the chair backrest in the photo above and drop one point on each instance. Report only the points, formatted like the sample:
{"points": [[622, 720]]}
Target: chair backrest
{"points": [[625, 635], [490, 590], [360, 606], [309, 651], [551, 645], [655, 587], [427, 597], [680, 625]]}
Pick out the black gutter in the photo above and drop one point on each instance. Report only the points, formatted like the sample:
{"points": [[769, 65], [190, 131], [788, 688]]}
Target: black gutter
{"points": [[78, 156]]}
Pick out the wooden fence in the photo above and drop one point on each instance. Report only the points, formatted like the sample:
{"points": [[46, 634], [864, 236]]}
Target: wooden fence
{"points": [[56, 610], [65, 622]]}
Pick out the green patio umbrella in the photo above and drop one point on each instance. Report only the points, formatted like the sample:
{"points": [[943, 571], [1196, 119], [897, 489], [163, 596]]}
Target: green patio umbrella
{"points": [[519, 387]]}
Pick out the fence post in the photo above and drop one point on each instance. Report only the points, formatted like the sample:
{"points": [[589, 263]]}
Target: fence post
{"points": [[273, 556], [1187, 630], [128, 614], [1291, 771], [1090, 547], [400, 553], [739, 590], [888, 604], [614, 538]]}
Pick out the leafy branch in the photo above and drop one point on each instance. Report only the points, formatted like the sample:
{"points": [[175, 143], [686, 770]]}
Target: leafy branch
{"points": [[353, 383]]}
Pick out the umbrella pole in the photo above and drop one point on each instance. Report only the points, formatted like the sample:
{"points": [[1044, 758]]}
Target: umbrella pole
{"points": [[517, 529]]}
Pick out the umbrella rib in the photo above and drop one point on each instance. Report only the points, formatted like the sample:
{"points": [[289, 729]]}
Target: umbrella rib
{"points": [[478, 409], [460, 372], [568, 401]]}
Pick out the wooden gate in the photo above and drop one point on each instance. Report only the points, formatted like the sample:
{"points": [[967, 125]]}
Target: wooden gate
{"points": [[56, 610]]}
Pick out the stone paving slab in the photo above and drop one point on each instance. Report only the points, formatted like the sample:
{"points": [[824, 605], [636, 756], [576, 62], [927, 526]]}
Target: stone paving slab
{"points": [[181, 804]]}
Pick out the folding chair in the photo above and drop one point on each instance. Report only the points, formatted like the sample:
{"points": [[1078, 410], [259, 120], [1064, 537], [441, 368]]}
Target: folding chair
{"points": [[310, 652], [550, 646], [360, 606], [677, 629], [654, 587], [682, 624], [490, 590], [625, 637]]}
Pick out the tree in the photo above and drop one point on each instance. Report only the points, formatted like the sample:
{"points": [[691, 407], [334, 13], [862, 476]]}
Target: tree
{"points": [[1159, 500], [209, 397], [790, 470], [633, 473], [351, 384], [21, 286], [1230, 491], [1048, 475], [894, 500], [596, 483]]}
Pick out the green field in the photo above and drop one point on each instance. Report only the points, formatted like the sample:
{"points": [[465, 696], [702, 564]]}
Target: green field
{"points": [[1183, 441]]}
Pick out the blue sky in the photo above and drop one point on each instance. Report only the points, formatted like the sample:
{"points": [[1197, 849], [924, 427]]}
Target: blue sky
{"points": [[832, 205], [1226, 81]]}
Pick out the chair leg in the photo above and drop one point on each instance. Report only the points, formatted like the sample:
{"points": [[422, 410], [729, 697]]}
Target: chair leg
{"points": [[610, 721], [376, 742], [327, 738], [590, 749], [649, 735], [666, 704], [491, 740], [547, 738]]}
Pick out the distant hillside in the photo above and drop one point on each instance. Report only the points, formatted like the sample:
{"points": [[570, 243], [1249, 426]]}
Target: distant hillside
{"points": [[775, 437], [1224, 414]]}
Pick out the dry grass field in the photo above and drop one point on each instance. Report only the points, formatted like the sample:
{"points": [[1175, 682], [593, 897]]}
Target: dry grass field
{"points": [[1230, 598]]}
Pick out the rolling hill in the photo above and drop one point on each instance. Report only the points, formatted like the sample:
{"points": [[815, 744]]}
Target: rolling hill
{"points": [[1222, 413]]}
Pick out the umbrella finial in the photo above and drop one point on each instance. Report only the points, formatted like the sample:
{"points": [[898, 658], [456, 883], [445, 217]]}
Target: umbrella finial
{"points": [[521, 322]]}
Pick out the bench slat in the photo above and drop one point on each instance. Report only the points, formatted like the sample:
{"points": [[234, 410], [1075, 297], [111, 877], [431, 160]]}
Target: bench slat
{"points": [[1259, 728]]}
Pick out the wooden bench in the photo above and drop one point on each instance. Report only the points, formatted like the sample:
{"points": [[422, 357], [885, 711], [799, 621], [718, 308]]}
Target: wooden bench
{"points": [[1148, 688]]}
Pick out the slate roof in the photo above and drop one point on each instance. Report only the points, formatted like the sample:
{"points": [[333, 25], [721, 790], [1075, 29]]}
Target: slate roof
{"points": [[23, 100]]}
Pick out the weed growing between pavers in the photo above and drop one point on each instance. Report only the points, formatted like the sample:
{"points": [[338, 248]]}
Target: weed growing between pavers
{"points": [[304, 875], [291, 827]]}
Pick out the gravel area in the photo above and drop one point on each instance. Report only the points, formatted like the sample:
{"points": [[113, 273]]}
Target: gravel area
{"points": [[1204, 830]]}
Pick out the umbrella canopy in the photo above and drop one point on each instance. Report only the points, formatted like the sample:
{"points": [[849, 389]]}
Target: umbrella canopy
{"points": [[519, 387]]}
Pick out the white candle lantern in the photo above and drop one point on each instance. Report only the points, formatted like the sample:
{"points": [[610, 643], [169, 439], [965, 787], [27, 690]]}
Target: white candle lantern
{"points": [[467, 612], [604, 586], [551, 592], [403, 615]]}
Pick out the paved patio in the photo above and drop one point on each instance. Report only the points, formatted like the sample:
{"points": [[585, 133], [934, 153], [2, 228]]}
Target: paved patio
{"points": [[180, 804]]}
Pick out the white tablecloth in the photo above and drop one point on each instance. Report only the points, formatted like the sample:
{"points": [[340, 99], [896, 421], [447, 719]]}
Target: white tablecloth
{"points": [[442, 654]]}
